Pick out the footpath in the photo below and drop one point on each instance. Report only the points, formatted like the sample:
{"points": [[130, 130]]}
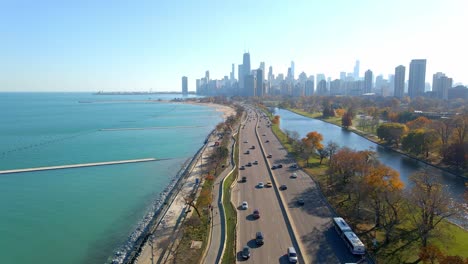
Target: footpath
{"points": [[217, 236]]}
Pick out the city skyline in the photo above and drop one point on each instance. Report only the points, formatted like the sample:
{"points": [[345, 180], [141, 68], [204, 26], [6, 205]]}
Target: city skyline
{"points": [[115, 46]]}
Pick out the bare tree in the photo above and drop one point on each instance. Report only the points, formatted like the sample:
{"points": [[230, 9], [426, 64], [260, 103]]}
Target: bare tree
{"points": [[433, 206]]}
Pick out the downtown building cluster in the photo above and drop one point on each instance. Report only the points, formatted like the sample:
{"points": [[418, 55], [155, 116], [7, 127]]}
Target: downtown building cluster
{"points": [[257, 82]]}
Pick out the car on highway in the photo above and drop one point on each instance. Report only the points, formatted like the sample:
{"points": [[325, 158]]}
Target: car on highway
{"points": [[273, 167], [252, 147], [279, 166], [268, 185], [269, 156], [300, 201], [246, 252], [259, 239], [264, 135], [249, 164], [242, 168], [244, 179], [245, 205], [292, 255], [283, 187], [294, 166], [267, 141], [294, 175], [247, 152], [255, 162], [260, 185], [256, 214]]}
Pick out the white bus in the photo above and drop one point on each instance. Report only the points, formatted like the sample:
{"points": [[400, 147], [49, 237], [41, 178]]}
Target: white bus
{"points": [[346, 233]]}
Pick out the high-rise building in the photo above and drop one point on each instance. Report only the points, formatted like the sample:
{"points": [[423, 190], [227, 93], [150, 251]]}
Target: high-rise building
{"points": [[399, 90], [259, 85], [250, 85], [320, 77], [441, 85], [309, 87], [197, 86], [184, 85], [246, 63], [270, 74], [417, 78], [342, 76], [368, 76], [207, 76], [322, 87], [293, 76], [356, 70], [232, 74], [240, 78]]}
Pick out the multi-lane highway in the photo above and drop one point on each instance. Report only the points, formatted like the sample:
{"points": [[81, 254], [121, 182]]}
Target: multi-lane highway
{"points": [[277, 237], [310, 223]]}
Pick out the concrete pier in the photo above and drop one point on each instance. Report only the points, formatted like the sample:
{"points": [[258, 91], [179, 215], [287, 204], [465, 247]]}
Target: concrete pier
{"points": [[77, 165]]}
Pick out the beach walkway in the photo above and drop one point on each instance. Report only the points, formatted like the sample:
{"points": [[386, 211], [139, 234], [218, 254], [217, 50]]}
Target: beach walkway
{"points": [[77, 165]]}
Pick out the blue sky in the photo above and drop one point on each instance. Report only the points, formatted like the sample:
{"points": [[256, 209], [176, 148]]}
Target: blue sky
{"points": [[114, 45]]}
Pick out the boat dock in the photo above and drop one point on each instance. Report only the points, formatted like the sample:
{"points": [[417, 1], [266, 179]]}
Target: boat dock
{"points": [[77, 165]]}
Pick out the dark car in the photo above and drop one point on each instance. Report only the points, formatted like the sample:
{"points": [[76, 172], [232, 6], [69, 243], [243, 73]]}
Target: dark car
{"points": [[279, 166], [269, 156], [259, 238], [249, 164], [253, 147], [244, 179], [256, 214], [274, 167], [283, 187], [247, 152], [294, 166], [246, 252], [300, 202], [242, 168], [267, 141]]}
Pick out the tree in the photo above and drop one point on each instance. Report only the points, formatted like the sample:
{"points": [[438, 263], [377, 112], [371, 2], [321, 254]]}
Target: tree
{"points": [[460, 128], [456, 154], [419, 141], [347, 120], [312, 142], [420, 122], [391, 132], [276, 120], [323, 153], [429, 195], [331, 147], [384, 194], [443, 128]]}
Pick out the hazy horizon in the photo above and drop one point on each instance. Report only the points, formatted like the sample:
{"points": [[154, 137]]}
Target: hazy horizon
{"points": [[57, 46]]}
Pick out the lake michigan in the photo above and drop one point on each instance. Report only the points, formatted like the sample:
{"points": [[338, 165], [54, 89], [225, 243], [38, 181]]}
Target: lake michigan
{"points": [[83, 215]]}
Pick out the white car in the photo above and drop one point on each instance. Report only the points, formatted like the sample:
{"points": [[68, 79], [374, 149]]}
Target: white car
{"points": [[294, 175], [261, 185], [245, 205]]}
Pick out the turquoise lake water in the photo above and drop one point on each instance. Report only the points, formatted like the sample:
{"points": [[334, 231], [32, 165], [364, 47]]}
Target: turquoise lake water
{"points": [[83, 215]]}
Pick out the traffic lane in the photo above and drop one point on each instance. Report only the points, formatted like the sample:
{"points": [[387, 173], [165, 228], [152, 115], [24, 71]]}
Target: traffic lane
{"points": [[313, 220], [271, 221]]}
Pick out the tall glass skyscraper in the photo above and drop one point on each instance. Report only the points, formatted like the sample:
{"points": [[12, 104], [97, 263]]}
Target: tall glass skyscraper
{"points": [[417, 78]]}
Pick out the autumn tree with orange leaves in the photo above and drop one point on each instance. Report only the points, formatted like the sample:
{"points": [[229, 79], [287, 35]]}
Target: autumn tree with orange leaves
{"points": [[276, 120], [384, 194], [312, 143]]}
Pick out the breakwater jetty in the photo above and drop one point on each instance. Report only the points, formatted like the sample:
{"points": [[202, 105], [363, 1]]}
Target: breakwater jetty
{"points": [[77, 165]]}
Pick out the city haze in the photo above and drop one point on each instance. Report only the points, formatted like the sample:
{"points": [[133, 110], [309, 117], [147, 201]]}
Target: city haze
{"points": [[143, 45]]}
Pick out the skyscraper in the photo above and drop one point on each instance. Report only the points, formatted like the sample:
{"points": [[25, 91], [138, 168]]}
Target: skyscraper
{"points": [[399, 90], [417, 78], [440, 85], [259, 80], [232, 74], [368, 76], [240, 78], [246, 63], [184, 85], [293, 76], [356, 70], [309, 87]]}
